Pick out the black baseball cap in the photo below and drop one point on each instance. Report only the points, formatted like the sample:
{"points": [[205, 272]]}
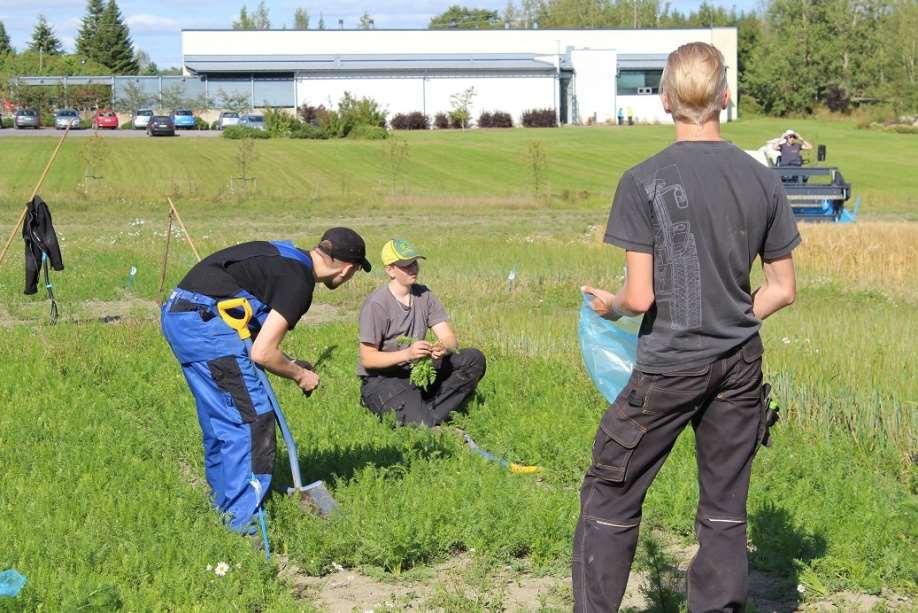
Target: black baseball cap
{"points": [[346, 245]]}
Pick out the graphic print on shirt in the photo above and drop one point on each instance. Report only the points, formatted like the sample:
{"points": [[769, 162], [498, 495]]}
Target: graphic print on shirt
{"points": [[677, 272]]}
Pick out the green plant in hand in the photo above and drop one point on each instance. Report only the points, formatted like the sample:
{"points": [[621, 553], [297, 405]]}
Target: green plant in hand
{"points": [[423, 371]]}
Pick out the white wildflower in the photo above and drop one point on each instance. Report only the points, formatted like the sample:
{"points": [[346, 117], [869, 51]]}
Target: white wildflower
{"points": [[786, 340], [209, 568], [221, 569], [801, 588]]}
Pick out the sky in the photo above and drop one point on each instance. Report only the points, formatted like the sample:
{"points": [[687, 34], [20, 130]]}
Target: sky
{"points": [[156, 26]]}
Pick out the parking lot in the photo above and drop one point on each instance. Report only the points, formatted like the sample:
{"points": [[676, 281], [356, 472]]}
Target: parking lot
{"points": [[31, 133]]}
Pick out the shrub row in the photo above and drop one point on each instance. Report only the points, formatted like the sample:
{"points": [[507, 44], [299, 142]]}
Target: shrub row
{"points": [[540, 118], [410, 121], [237, 132], [497, 119]]}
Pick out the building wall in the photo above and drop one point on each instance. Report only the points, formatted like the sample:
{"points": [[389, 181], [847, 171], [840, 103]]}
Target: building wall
{"points": [[433, 95], [592, 53]]}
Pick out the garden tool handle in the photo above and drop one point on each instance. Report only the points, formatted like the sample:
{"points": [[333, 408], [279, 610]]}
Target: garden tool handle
{"points": [[239, 324]]}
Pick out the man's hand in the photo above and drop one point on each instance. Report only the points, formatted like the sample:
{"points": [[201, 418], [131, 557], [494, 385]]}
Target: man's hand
{"points": [[438, 350], [419, 349], [307, 380], [602, 302]]}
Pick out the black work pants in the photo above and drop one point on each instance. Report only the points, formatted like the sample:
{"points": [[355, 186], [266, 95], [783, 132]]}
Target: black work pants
{"points": [[723, 402], [457, 376]]}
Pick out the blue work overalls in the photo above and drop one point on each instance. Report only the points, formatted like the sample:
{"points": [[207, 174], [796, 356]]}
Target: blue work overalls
{"points": [[235, 409]]}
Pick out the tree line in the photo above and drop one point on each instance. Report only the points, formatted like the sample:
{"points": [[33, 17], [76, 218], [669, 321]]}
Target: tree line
{"points": [[794, 56]]}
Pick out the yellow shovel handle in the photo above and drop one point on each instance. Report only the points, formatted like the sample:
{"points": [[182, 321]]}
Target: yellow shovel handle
{"points": [[241, 324]]}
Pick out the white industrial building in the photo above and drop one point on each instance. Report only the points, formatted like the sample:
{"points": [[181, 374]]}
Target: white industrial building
{"points": [[583, 74]]}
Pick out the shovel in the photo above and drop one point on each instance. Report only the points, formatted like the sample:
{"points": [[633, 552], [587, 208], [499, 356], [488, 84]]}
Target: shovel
{"points": [[314, 497]]}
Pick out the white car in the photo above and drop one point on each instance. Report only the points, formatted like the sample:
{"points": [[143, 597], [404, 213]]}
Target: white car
{"points": [[227, 118], [141, 119]]}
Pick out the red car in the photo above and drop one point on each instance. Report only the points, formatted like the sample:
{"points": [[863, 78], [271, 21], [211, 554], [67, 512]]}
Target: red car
{"points": [[105, 118]]}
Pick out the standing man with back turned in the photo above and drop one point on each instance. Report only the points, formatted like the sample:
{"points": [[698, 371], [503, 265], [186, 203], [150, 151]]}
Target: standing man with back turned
{"points": [[692, 219]]}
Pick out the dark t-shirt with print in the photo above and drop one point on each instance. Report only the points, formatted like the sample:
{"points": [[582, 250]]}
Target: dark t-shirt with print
{"points": [[283, 284], [705, 210]]}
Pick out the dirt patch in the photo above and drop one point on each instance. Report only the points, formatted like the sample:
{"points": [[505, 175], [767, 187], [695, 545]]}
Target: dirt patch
{"points": [[458, 585], [116, 310]]}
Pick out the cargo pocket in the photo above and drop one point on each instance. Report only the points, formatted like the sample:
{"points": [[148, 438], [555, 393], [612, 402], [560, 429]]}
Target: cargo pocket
{"points": [[264, 443], [615, 443], [227, 375]]}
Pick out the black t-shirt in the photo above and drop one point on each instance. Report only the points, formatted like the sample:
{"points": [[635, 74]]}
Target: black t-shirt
{"points": [[283, 284], [704, 210]]}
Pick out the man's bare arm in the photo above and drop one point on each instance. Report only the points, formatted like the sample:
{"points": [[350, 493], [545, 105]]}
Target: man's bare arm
{"points": [[778, 289]]}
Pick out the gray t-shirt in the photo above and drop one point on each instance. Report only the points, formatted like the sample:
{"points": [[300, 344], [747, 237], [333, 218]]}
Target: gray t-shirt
{"points": [[790, 154], [383, 319], [704, 210]]}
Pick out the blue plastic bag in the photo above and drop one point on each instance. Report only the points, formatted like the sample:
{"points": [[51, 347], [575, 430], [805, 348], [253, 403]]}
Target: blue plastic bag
{"points": [[608, 348], [11, 582]]}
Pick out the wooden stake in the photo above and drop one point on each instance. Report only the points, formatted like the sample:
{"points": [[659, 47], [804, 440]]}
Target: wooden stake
{"points": [[178, 218], [38, 185], [162, 273]]}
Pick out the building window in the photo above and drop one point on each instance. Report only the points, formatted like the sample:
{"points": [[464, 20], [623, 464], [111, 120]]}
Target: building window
{"points": [[639, 82]]}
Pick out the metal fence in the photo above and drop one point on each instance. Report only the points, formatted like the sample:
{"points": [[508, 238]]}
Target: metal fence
{"points": [[275, 90]]}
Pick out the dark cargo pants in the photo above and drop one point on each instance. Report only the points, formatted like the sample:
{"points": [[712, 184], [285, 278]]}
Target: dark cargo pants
{"points": [[723, 402], [458, 375]]}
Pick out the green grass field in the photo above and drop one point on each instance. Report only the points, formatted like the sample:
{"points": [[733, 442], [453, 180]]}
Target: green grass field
{"points": [[103, 501]]}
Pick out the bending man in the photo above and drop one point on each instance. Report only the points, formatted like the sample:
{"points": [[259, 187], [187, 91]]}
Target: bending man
{"points": [[234, 409]]}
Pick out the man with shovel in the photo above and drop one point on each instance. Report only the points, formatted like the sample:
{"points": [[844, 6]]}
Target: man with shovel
{"points": [[692, 220], [234, 407]]}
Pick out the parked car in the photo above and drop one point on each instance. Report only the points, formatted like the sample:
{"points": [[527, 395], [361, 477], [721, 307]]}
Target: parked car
{"points": [[160, 125], [105, 118], [183, 119], [66, 118], [141, 119], [26, 118], [253, 121], [227, 118]]}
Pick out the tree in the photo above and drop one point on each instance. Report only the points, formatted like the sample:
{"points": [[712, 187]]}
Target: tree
{"points": [[5, 46], [244, 22], [239, 102], [44, 41], [145, 65], [366, 22], [321, 21], [258, 20], [463, 18], [87, 41], [300, 19], [260, 17], [462, 107], [132, 97], [116, 50]]}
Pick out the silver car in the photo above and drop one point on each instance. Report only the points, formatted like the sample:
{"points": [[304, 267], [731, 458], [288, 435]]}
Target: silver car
{"points": [[26, 118], [66, 118], [142, 119], [252, 121]]}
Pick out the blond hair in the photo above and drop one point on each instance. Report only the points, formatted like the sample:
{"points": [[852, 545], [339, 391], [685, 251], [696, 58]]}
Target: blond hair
{"points": [[694, 82]]}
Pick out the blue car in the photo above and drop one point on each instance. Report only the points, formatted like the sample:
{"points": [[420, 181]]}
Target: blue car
{"points": [[183, 119]]}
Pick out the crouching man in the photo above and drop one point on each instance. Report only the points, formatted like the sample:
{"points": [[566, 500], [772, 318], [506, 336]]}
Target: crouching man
{"points": [[394, 321], [691, 219], [235, 411]]}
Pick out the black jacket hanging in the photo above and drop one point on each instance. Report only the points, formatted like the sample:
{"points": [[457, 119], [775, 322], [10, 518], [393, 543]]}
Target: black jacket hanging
{"points": [[39, 236]]}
